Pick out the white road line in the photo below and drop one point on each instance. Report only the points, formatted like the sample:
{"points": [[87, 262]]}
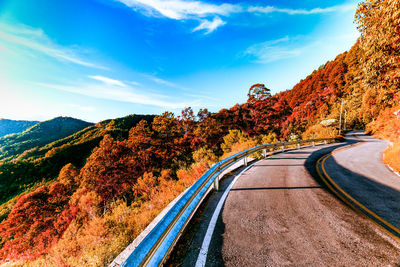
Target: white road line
{"points": [[398, 174], [201, 259]]}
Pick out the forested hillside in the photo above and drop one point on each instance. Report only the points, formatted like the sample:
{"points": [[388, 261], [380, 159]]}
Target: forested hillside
{"points": [[38, 135], [104, 184], [43, 163], [12, 126]]}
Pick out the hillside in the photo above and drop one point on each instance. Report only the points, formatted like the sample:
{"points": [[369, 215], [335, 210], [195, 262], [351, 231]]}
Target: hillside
{"points": [[102, 185], [318, 97], [45, 162], [38, 135], [13, 126]]}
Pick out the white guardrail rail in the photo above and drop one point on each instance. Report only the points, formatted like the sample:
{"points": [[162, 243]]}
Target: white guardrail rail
{"points": [[155, 247]]}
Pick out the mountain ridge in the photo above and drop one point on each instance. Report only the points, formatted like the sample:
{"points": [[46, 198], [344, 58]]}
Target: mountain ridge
{"points": [[21, 171], [8, 126], [38, 135]]}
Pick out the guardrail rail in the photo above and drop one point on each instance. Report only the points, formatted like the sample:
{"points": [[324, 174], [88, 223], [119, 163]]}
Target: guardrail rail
{"points": [[158, 243]]}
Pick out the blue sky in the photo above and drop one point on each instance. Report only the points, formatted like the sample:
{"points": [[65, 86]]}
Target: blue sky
{"points": [[101, 59]]}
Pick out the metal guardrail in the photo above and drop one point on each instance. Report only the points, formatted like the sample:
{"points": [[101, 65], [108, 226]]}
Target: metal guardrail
{"points": [[158, 243]]}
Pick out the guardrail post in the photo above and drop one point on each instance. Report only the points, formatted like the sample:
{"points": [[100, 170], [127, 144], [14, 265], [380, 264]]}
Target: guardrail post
{"points": [[325, 142], [298, 146], [245, 161], [216, 183], [313, 143], [283, 148], [264, 153]]}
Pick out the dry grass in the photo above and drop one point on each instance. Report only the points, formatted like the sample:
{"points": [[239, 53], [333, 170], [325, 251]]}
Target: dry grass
{"points": [[392, 156], [387, 126], [96, 237], [320, 131]]}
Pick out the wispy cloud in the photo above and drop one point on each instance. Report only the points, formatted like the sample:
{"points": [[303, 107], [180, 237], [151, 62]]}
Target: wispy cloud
{"points": [[160, 81], [117, 93], [182, 10], [6, 49], [108, 81], [24, 37], [134, 83], [163, 82], [290, 47], [204, 12], [210, 26], [273, 50], [272, 9], [179, 9]]}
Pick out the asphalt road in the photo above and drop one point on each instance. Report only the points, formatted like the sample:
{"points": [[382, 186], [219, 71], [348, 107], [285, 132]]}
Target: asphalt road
{"points": [[279, 212], [360, 173]]}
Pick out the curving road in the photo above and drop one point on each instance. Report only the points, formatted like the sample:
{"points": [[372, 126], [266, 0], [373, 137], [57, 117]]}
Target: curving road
{"points": [[279, 212], [359, 176]]}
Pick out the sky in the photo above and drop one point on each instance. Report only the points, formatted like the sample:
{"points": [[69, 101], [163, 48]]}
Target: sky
{"points": [[102, 59]]}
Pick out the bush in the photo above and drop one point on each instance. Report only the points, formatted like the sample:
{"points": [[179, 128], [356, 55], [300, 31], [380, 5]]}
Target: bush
{"points": [[205, 154], [319, 131], [392, 156]]}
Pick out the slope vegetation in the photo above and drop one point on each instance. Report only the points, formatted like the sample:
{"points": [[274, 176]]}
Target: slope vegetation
{"points": [[105, 183], [12, 126], [45, 162], [39, 135]]}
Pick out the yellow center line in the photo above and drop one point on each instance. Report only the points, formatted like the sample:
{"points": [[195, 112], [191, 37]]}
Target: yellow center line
{"points": [[335, 188]]}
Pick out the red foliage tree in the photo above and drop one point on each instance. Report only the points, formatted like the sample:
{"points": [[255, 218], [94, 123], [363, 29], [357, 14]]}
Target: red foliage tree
{"points": [[39, 219]]}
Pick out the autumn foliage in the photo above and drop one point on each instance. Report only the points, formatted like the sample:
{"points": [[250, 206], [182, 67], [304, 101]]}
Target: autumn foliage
{"points": [[39, 219], [127, 170]]}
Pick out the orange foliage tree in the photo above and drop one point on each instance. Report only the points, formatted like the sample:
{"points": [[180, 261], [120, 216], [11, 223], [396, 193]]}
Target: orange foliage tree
{"points": [[39, 219]]}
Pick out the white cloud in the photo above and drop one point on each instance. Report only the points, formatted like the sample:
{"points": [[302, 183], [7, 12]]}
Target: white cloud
{"points": [[107, 81], [160, 81], [117, 93], [134, 83], [290, 47], [179, 9], [199, 10], [24, 37], [210, 26], [273, 50], [163, 82], [271, 9]]}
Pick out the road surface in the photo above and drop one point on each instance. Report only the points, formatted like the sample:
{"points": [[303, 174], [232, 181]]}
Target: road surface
{"points": [[359, 175], [279, 212]]}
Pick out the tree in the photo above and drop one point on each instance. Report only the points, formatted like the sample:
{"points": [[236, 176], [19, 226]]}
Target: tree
{"points": [[112, 169], [37, 221], [378, 22], [202, 114], [187, 120], [258, 92]]}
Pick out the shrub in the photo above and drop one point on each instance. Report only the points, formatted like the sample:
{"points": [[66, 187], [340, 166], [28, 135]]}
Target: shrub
{"points": [[319, 131], [205, 154], [392, 156]]}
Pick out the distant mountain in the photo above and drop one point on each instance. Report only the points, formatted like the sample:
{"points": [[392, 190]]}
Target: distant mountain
{"points": [[76, 146], [44, 159], [12, 126], [39, 135]]}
